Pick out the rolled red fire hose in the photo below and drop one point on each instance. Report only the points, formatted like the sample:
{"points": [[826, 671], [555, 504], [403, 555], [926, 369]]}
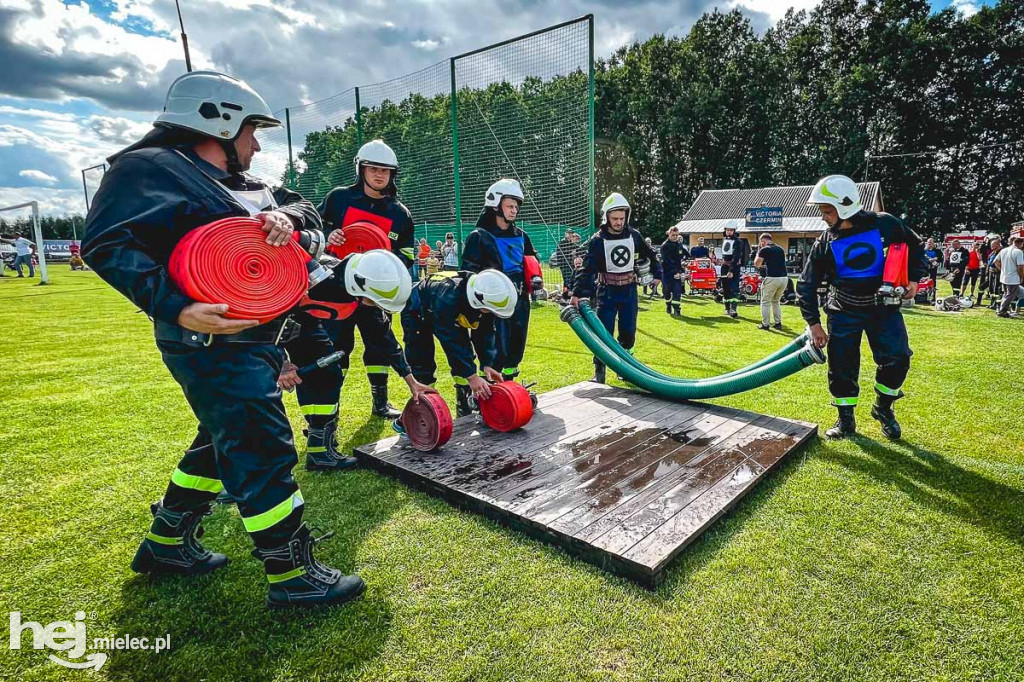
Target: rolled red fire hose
{"points": [[509, 407], [360, 237], [229, 261], [427, 423]]}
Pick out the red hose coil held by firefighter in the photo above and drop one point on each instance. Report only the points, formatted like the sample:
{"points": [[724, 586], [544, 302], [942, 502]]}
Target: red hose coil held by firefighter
{"points": [[229, 261]]}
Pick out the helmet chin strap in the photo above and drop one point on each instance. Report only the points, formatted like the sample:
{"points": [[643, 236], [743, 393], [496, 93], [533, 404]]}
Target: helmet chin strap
{"points": [[234, 165]]}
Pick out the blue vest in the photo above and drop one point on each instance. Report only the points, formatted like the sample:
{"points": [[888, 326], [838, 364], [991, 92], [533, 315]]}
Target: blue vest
{"points": [[510, 250], [859, 256]]}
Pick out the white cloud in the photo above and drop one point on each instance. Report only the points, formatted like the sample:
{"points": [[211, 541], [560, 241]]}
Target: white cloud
{"points": [[775, 9], [428, 45], [8, 110], [51, 201], [966, 7], [39, 175]]}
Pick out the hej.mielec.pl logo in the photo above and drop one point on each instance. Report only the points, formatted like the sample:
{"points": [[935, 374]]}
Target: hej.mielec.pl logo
{"points": [[70, 637]]}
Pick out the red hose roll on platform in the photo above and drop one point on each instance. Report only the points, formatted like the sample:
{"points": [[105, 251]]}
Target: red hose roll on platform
{"points": [[427, 423], [360, 237], [229, 261], [510, 407]]}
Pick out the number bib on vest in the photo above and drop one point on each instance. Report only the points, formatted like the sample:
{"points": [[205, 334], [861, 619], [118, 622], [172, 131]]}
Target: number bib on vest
{"points": [[859, 256], [618, 255], [510, 250], [728, 248]]}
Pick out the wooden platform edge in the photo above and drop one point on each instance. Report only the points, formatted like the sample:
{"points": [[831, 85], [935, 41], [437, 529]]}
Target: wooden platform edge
{"points": [[614, 564], [661, 569]]}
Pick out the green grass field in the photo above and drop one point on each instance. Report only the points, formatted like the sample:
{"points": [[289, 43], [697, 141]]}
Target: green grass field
{"points": [[856, 560]]}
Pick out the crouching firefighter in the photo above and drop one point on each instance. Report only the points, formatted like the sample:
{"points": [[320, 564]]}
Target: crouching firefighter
{"points": [[608, 271], [498, 244], [372, 199], [850, 257], [187, 172], [735, 252], [376, 280], [449, 306]]}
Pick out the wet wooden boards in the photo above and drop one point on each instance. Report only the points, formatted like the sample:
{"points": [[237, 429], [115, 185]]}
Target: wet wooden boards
{"points": [[618, 478]]}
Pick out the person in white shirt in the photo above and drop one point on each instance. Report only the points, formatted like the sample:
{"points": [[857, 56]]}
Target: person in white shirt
{"points": [[1010, 263], [25, 247], [450, 252]]}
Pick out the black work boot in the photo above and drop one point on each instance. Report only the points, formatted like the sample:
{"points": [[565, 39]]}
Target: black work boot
{"points": [[381, 406], [678, 309], [845, 426], [322, 450], [298, 579], [882, 411], [172, 545], [463, 401], [668, 307], [600, 374]]}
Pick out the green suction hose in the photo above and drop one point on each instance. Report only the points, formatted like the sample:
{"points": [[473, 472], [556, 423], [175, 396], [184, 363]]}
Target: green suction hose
{"points": [[714, 387], [595, 326]]}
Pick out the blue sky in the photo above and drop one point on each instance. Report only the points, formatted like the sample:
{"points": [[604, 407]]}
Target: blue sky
{"points": [[91, 75]]}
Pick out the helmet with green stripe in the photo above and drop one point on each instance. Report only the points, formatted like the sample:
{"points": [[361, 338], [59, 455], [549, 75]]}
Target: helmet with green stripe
{"points": [[838, 191], [492, 291], [379, 276], [614, 202]]}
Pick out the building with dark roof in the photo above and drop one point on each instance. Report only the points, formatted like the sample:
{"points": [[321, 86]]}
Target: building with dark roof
{"points": [[801, 224]]}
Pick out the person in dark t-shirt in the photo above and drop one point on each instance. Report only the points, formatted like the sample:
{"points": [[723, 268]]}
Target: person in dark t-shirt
{"points": [[773, 260]]}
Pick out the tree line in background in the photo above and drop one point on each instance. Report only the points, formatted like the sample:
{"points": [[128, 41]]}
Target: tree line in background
{"points": [[723, 108], [53, 226]]}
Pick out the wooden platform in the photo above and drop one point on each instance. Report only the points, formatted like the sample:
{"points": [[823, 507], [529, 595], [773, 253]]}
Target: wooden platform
{"points": [[616, 477]]}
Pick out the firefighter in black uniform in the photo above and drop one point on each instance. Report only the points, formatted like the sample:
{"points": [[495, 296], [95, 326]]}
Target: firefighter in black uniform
{"points": [[187, 172], [319, 392], [673, 253], [329, 297], [450, 305], [498, 244], [735, 253], [609, 271], [850, 258], [371, 199]]}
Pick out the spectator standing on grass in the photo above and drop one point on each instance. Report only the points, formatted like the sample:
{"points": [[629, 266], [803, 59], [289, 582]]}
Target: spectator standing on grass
{"points": [[974, 261], [990, 278], [566, 254], [1010, 263], [450, 252], [24, 247], [934, 256], [773, 259], [422, 254]]}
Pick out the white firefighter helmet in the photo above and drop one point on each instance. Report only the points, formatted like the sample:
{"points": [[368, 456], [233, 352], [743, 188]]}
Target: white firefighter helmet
{"points": [[376, 153], [380, 276], [612, 202], [838, 191], [506, 187], [492, 291], [215, 105], [735, 224]]}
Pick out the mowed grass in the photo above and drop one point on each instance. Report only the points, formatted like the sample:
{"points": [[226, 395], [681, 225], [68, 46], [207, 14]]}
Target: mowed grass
{"points": [[856, 560]]}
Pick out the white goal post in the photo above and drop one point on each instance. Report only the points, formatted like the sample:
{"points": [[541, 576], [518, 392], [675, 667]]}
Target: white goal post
{"points": [[44, 278]]}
